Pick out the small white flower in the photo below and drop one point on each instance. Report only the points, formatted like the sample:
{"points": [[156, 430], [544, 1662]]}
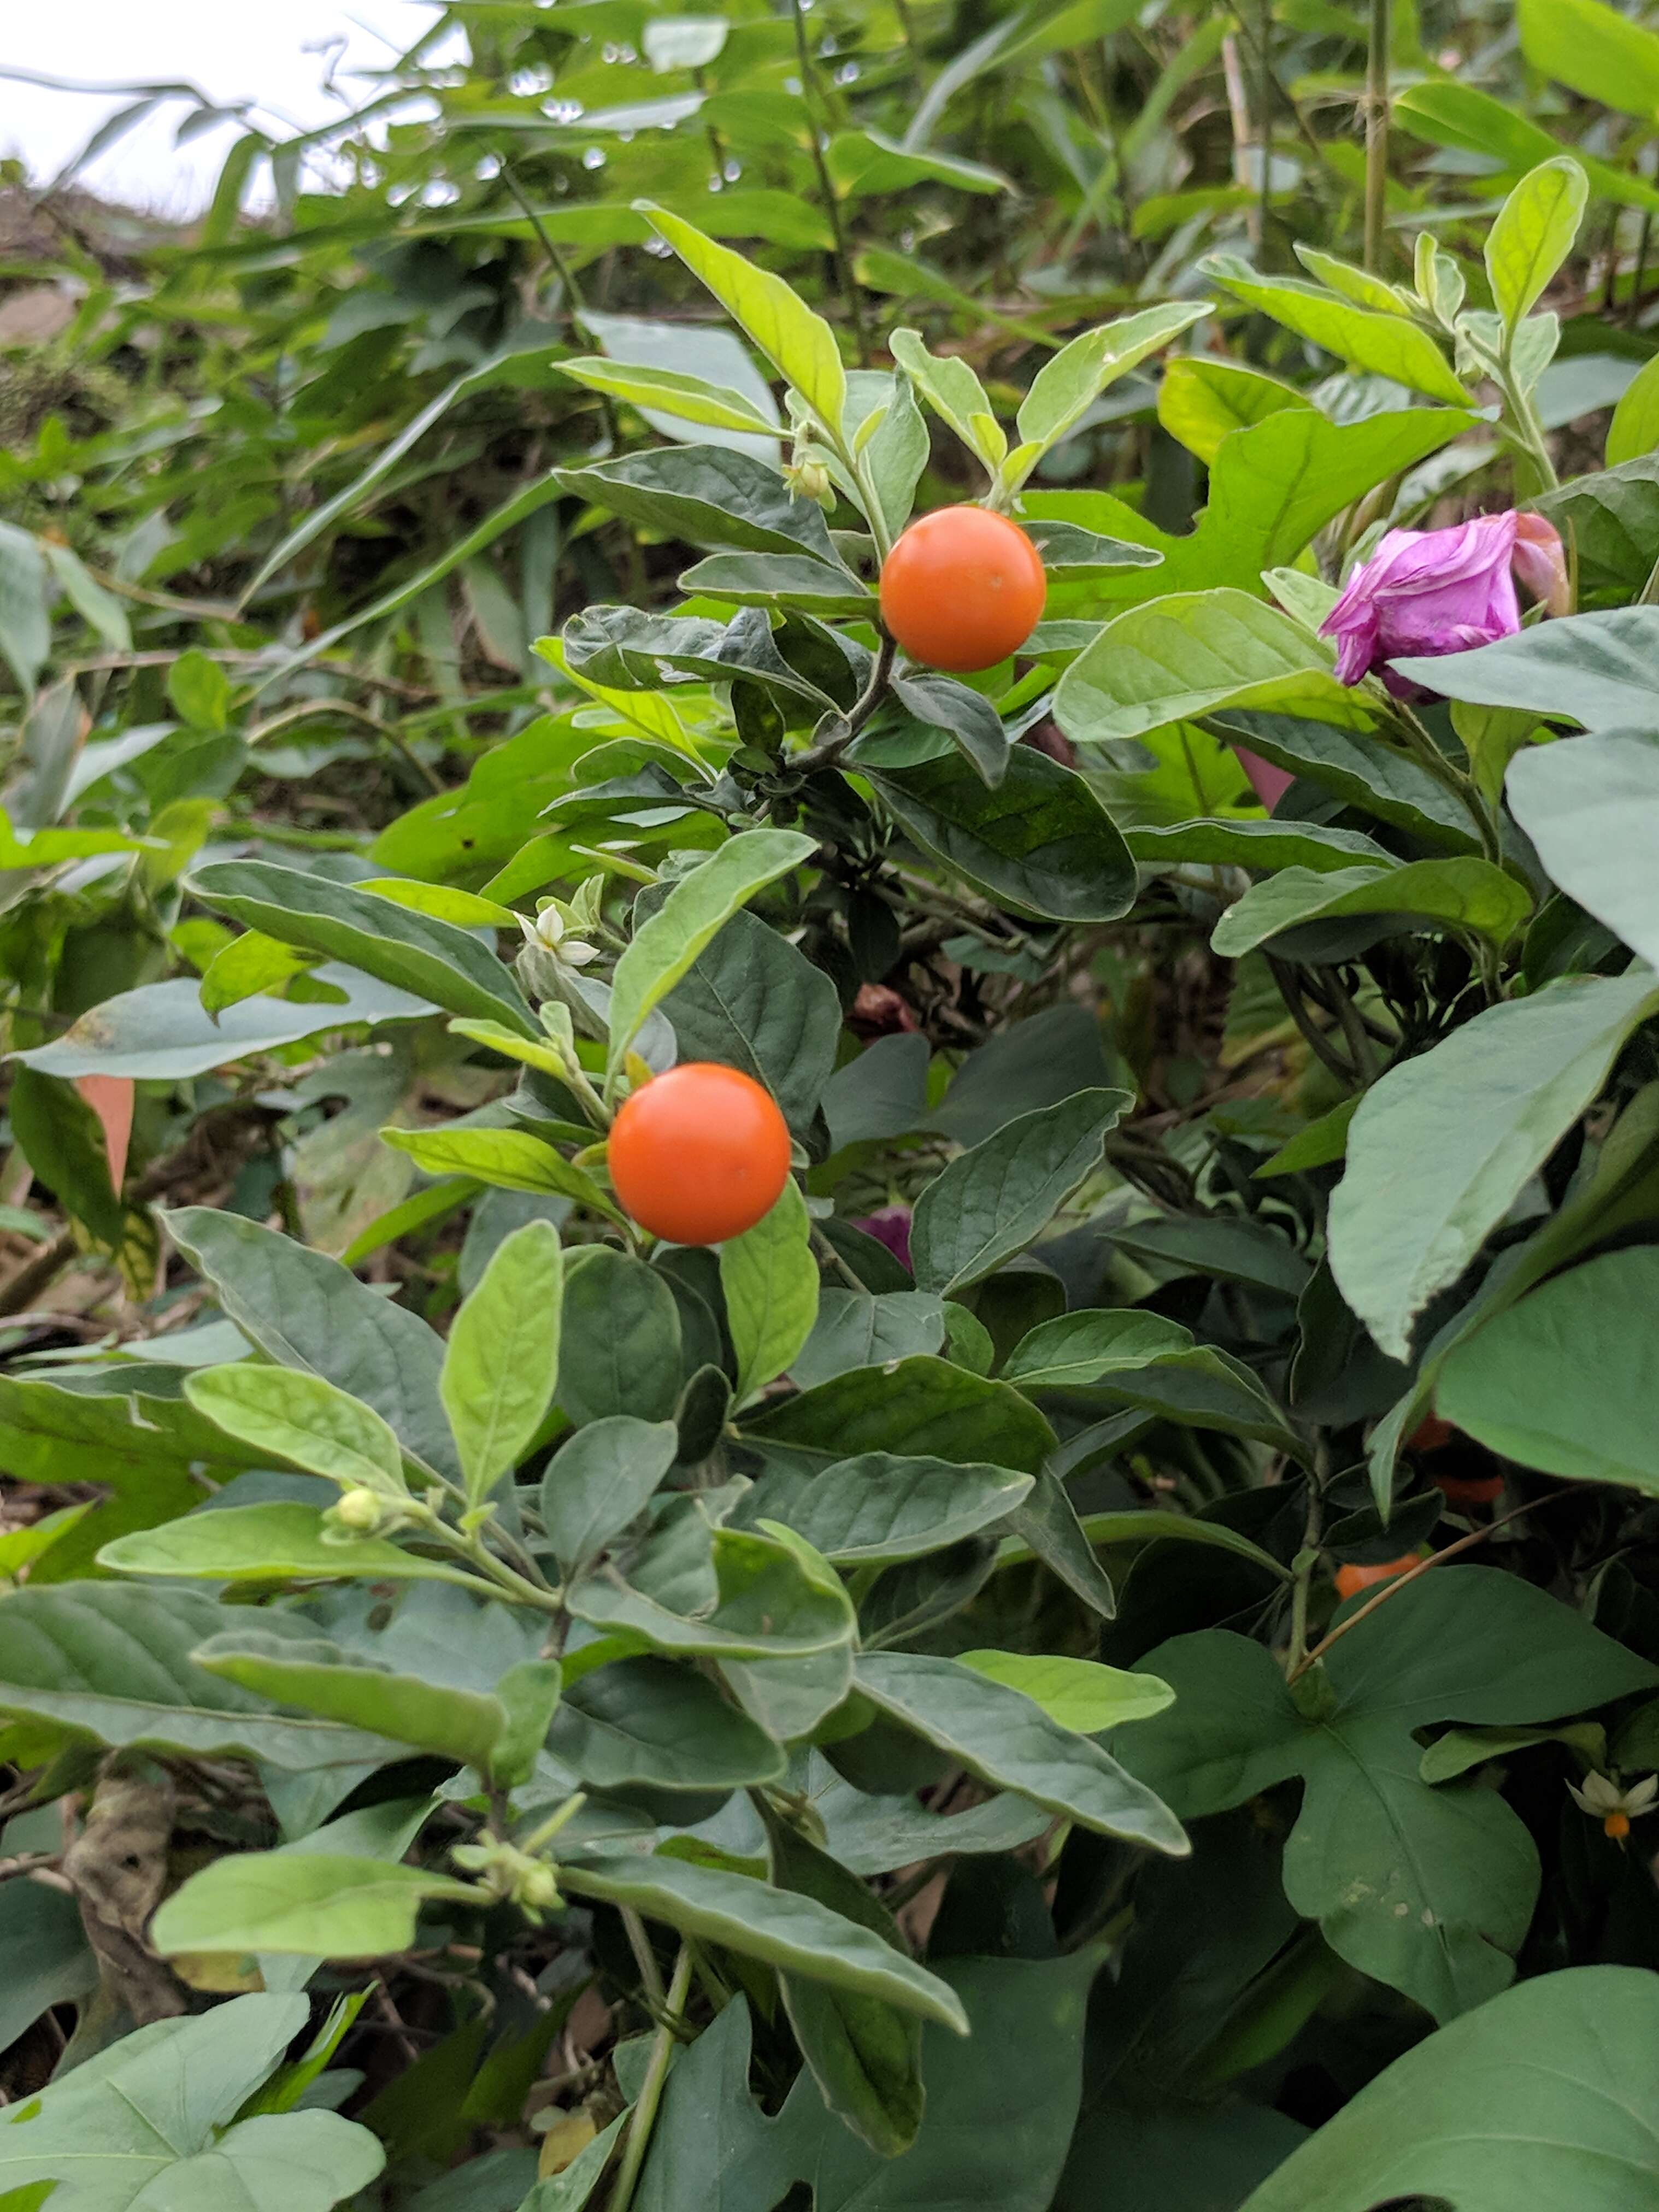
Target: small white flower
{"points": [[549, 933], [1615, 1808]]}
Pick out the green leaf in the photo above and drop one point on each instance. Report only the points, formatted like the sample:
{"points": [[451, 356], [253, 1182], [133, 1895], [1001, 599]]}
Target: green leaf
{"points": [[1071, 382], [339, 1684], [780, 579], [1596, 669], [1443, 1145], [1026, 2055], [1554, 2071], [1382, 344], [1189, 654], [1258, 845], [752, 1000], [716, 357], [506, 1159], [49, 1960], [772, 1602], [1040, 843], [1595, 50], [115, 1664], [301, 1419], [162, 1032], [707, 495], [955, 393], [689, 398], [1535, 230], [651, 1723], [1562, 1381], [1079, 1694], [1634, 429], [859, 1328], [308, 1312], [1356, 769], [1448, 113], [599, 1480], [664, 947], [1076, 1349], [152, 2119], [878, 1508], [800, 345], [1461, 894], [620, 1350], [864, 2053], [1611, 522], [1591, 807], [316, 1905], [785, 1929], [1202, 399], [1358, 285], [411, 951], [1460, 1643], [769, 1279], [991, 1202], [502, 1359], [25, 616], [866, 161], [920, 1408], [1005, 1738], [268, 1543], [150, 1454], [248, 965]]}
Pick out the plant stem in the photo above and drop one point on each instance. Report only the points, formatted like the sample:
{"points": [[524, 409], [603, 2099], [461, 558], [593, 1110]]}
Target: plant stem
{"points": [[832, 203], [826, 755], [1435, 1559], [645, 2112], [644, 1958], [1377, 134]]}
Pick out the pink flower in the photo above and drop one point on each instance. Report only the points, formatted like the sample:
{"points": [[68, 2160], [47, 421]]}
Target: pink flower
{"points": [[1269, 783], [1540, 563], [890, 1225], [1426, 591]]}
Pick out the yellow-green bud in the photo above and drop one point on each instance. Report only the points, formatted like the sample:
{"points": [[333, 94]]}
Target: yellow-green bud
{"points": [[359, 1509]]}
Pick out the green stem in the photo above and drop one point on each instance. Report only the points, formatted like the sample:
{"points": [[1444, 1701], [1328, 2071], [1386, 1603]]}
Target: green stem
{"points": [[1428, 757], [1377, 134], [644, 2111]]}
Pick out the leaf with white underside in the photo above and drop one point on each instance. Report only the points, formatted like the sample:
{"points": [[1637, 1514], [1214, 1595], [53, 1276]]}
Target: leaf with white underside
{"points": [[1443, 1144], [1006, 1739]]}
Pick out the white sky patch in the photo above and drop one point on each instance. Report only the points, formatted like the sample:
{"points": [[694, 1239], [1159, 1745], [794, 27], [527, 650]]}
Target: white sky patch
{"points": [[277, 54]]}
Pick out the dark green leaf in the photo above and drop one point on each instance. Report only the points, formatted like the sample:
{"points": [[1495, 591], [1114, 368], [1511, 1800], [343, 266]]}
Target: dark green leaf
{"points": [[1462, 1643], [752, 1001], [920, 1408], [1040, 843], [1009, 1741], [599, 1480], [412, 950], [646, 1721], [620, 1347], [877, 1508], [1356, 768], [993, 1202], [1465, 893], [116, 1664], [1555, 2072], [860, 1329], [785, 1929], [708, 496]]}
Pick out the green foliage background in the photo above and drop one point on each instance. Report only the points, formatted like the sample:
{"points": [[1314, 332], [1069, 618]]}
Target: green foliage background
{"points": [[499, 1715]]}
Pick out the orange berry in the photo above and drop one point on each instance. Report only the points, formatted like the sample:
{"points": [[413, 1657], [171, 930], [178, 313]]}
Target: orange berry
{"points": [[1350, 1580], [699, 1154], [962, 589]]}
